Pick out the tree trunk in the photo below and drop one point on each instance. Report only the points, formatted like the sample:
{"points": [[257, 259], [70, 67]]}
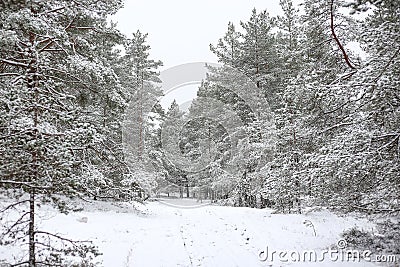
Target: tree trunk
{"points": [[33, 84], [31, 231]]}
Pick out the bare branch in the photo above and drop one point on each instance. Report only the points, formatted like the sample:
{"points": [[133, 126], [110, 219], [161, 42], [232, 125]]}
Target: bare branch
{"points": [[13, 205], [19, 264], [47, 45], [390, 143], [9, 74], [69, 24], [336, 126], [63, 238], [16, 223], [53, 10], [387, 65], [385, 135], [346, 57], [14, 63], [53, 50], [87, 28]]}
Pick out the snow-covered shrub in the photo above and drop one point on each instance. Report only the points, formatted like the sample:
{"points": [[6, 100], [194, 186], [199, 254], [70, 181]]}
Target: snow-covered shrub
{"points": [[141, 180], [386, 240]]}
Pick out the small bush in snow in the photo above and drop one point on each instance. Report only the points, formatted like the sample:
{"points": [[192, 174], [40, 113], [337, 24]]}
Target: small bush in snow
{"points": [[387, 240]]}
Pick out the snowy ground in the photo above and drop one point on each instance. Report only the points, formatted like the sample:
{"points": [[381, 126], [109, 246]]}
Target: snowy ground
{"points": [[175, 233]]}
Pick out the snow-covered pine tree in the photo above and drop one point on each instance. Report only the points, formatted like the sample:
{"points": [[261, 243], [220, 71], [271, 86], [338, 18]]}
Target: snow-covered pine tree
{"points": [[258, 55], [379, 109], [281, 183], [228, 48], [144, 75], [205, 143], [252, 53], [45, 137], [306, 97], [154, 150], [361, 156], [170, 144], [236, 134], [105, 109], [142, 78]]}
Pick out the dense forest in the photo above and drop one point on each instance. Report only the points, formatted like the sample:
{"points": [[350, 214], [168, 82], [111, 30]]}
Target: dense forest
{"points": [[298, 118]]}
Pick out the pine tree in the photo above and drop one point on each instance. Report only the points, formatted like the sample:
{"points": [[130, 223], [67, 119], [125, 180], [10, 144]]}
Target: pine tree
{"points": [[143, 71], [142, 79], [257, 58], [362, 155], [228, 48], [174, 161], [45, 68]]}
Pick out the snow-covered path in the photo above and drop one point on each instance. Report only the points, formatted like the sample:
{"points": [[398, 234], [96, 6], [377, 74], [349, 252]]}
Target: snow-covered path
{"points": [[203, 236], [226, 236], [168, 235]]}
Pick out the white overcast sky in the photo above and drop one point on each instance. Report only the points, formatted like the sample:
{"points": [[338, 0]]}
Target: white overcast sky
{"points": [[180, 31]]}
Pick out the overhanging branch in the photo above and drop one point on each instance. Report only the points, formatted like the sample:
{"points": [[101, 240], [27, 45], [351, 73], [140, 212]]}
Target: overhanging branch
{"points": [[346, 57]]}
